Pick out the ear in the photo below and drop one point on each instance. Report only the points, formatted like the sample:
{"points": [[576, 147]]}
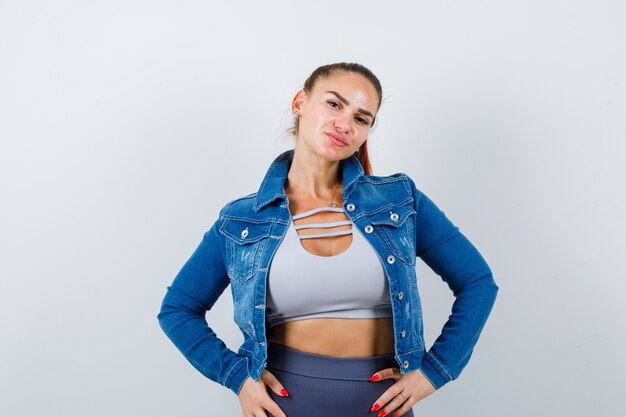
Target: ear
{"points": [[298, 100]]}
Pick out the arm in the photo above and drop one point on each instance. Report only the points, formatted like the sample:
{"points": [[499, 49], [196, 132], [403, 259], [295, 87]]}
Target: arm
{"points": [[193, 292], [442, 246]]}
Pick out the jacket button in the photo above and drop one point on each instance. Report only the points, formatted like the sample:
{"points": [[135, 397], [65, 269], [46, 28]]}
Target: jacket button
{"points": [[391, 259], [368, 228], [406, 364], [403, 333], [400, 295], [350, 207], [244, 233], [394, 217]]}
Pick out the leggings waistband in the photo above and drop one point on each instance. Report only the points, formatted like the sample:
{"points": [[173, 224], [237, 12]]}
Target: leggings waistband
{"points": [[295, 361]]}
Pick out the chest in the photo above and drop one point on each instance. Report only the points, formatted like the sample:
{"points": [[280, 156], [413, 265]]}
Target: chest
{"points": [[250, 244]]}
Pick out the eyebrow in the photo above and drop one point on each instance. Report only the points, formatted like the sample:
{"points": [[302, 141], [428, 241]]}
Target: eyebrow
{"points": [[347, 103]]}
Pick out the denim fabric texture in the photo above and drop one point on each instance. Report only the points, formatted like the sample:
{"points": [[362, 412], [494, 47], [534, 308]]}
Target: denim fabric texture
{"points": [[399, 221]]}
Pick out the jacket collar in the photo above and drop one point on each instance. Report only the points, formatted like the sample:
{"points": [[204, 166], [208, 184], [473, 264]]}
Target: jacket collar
{"points": [[272, 185]]}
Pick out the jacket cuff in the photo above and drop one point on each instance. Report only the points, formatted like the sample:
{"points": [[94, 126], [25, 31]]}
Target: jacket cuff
{"points": [[434, 371], [237, 375]]}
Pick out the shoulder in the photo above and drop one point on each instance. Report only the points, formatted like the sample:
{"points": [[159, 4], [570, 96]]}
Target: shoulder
{"points": [[383, 179], [398, 182], [236, 216], [398, 188], [238, 207], [400, 178]]}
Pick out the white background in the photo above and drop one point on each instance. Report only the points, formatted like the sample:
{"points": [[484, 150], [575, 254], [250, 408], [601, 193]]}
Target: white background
{"points": [[126, 125]]}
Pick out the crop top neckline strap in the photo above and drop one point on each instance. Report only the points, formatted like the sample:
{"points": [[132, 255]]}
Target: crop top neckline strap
{"points": [[321, 225]]}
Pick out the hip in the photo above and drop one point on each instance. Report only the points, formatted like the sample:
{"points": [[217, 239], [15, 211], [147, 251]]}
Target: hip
{"points": [[327, 385]]}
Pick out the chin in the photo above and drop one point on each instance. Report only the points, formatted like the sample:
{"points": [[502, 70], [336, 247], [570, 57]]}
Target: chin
{"points": [[336, 154]]}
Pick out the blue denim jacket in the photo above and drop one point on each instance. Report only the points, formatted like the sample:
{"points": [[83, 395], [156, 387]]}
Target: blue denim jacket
{"points": [[400, 222]]}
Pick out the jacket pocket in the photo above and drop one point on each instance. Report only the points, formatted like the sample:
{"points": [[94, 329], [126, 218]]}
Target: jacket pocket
{"points": [[396, 227], [245, 244]]}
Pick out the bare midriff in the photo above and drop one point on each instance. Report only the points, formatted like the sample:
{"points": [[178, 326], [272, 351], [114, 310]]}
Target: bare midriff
{"points": [[338, 337]]}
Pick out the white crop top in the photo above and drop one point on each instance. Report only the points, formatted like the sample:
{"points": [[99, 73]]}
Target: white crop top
{"points": [[302, 285]]}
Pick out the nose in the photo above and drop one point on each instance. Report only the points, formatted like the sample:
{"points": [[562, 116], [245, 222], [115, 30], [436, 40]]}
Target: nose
{"points": [[343, 123]]}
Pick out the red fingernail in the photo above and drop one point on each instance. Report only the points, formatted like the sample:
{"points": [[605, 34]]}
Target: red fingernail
{"points": [[374, 377], [382, 413], [375, 407], [394, 415], [284, 392]]}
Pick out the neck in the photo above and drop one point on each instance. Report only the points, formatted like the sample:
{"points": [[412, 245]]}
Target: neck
{"points": [[316, 176]]}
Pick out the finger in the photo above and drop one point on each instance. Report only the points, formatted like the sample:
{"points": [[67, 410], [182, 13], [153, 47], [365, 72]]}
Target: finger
{"points": [[273, 408], [405, 408], [268, 378], [394, 405], [259, 412], [387, 373], [387, 396], [256, 411]]}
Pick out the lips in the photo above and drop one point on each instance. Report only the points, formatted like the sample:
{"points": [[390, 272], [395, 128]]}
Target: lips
{"points": [[337, 139]]}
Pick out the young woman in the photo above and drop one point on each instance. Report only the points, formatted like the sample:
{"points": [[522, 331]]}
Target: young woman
{"points": [[321, 263]]}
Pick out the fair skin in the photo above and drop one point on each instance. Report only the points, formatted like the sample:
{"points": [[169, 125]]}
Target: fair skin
{"points": [[312, 181]]}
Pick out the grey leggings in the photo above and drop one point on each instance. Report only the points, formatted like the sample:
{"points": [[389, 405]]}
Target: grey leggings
{"points": [[321, 385]]}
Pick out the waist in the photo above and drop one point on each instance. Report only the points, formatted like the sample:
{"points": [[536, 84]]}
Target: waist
{"points": [[337, 337], [295, 361]]}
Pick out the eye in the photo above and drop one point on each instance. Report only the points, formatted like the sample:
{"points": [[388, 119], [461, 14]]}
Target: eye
{"points": [[332, 102], [359, 119]]}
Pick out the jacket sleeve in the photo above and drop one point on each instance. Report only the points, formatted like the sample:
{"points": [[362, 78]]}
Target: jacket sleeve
{"points": [[193, 292], [446, 250]]}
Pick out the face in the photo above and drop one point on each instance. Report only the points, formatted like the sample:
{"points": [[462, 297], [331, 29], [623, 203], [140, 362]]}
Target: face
{"points": [[335, 119]]}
